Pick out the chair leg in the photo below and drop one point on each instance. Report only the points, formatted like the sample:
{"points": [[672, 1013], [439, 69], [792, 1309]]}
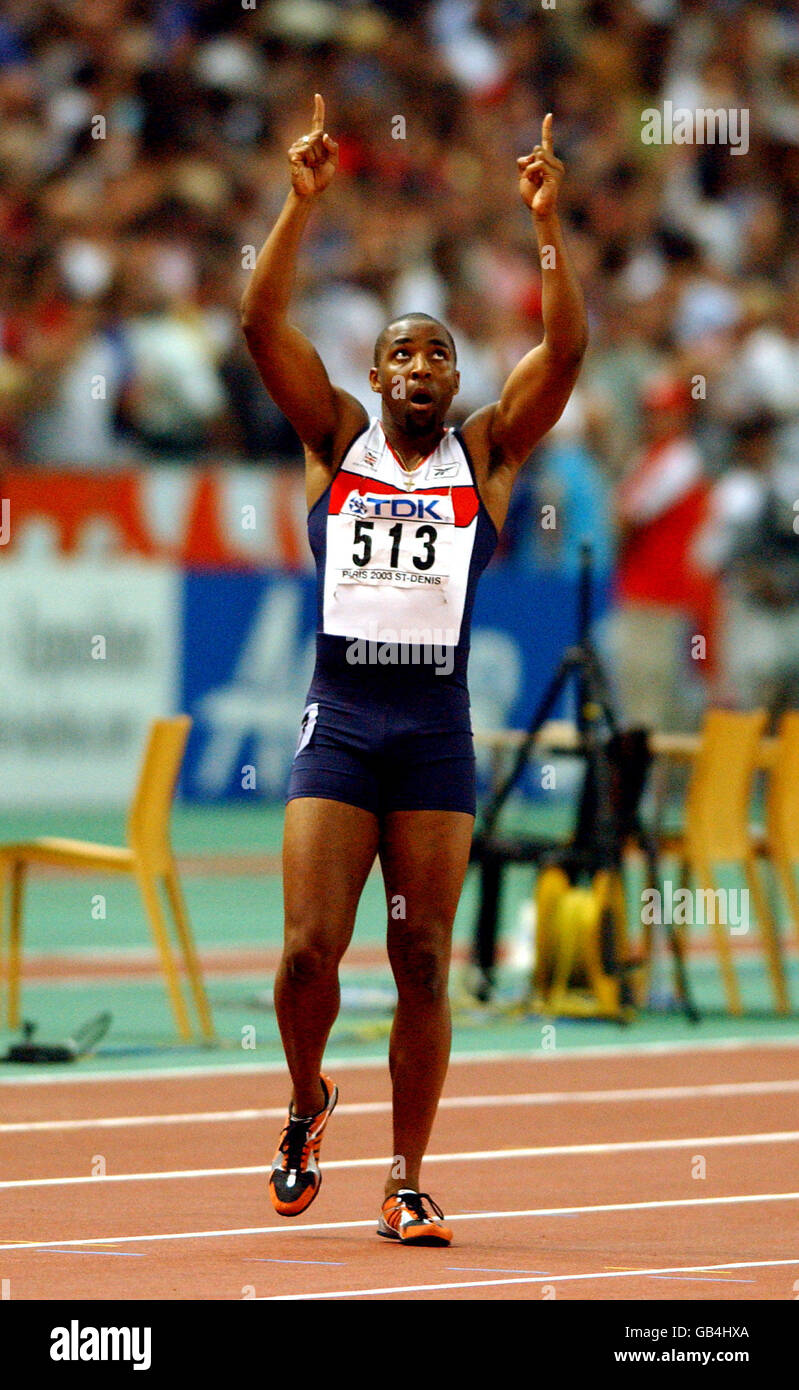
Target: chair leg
{"points": [[155, 915], [15, 940], [190, 957], [680, 931], [768, 931], [646, 939], [731, 988], [785, 871], [652, 941], [679, 928]]}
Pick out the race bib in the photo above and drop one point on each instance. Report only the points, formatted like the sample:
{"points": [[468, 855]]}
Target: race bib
{"points": [[392, 541]]}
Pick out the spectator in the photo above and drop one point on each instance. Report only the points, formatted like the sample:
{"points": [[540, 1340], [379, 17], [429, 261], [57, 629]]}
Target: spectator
{"points": [[752, 540], [143, 153], [665, 598], [175, 396]]}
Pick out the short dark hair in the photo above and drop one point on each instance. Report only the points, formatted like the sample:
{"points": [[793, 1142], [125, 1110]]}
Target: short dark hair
{"points": [[385, 333]]}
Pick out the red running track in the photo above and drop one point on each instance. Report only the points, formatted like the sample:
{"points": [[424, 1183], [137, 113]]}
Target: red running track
{"points": [[670, 1175]]}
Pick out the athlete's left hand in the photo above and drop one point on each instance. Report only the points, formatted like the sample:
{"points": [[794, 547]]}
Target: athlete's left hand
{"points": [[540, 174]]}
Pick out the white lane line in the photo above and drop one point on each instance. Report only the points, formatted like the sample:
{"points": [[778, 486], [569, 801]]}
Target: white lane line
{"points": [[707, 1141], [348, 1062], [548, 1279], [181, 1117], [383, 1107], [464, 1156], [286, 1229]]}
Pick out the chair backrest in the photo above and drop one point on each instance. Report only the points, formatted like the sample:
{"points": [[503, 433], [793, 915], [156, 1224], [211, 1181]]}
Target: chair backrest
{"points": [[717, 804], [148, 818], [782, 797]]}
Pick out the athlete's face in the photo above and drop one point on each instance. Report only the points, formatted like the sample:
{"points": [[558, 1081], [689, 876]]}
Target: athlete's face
{"points": [[416, 375]]}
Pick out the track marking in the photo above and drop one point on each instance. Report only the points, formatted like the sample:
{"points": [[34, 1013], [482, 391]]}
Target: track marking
{"points": [[120, 1254], [275, 1112], [698, 1279], [347, 1062], [707, 1141], [477, 1269], [255, 1261], [383, 1107], [671, 1202], [495, 1283]]}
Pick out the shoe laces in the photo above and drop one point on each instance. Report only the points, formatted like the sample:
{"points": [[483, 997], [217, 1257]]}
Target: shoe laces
{"points": [[415, 1202], [294, 1141], [295, 1137]]}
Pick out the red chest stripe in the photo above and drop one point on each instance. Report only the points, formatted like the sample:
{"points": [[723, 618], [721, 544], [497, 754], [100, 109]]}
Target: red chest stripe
{"points": [[465, 501]]}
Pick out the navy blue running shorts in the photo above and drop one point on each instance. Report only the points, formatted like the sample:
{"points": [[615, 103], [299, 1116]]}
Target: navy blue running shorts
{"points": [[383, 759]]}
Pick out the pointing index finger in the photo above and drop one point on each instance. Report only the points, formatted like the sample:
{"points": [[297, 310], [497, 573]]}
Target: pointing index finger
{"points": [[546, 133], [318, 122]]}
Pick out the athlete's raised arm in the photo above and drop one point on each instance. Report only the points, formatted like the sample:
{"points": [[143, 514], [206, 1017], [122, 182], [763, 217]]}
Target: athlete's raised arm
{"points": [[290, 366], [540, 385]]}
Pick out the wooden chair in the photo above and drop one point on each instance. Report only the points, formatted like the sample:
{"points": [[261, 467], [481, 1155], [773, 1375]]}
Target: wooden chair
{"points": [[717, 832], [780, 842], [147, 856]]}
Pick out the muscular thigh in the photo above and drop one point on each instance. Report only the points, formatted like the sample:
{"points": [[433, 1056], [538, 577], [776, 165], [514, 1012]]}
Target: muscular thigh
{"points": [[328, 849], [424, 856]]}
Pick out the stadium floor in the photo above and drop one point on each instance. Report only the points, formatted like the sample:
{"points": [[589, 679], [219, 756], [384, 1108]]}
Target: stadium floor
{"points": [[75, 965], [594, 1124]]}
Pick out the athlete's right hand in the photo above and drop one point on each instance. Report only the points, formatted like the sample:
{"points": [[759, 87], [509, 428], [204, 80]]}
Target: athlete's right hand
{"points": [[314, 157]]}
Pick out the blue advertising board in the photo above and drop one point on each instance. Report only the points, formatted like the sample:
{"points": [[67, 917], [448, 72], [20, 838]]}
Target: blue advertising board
{"points": [[248, 652]]}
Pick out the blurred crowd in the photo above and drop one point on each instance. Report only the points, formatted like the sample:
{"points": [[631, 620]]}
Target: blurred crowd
{"points": [[143, 159]]}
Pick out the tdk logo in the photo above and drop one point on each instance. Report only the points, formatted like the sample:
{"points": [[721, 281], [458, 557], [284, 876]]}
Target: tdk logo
{"points": [[405, 507], [356, 504]]}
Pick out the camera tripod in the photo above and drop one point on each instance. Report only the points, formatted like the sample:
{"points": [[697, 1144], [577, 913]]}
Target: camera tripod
{"points": [[616, 766]]}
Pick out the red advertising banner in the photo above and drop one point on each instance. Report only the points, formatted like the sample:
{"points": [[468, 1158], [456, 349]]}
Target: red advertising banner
{"points": [[220, 518]]}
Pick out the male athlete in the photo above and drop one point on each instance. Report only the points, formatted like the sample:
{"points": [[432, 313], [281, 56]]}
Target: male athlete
{"points": [[403, 516]]}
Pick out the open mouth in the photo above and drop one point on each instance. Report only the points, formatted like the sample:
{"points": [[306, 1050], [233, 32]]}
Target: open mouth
{"points": [[421, 398]]}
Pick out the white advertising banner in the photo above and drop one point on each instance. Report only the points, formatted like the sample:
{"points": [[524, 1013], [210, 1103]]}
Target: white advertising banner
{"points": [[90, 655]]}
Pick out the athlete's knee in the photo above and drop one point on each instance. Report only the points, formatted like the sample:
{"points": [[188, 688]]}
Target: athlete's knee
{"points": [[421, 967], [309, 957]]}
